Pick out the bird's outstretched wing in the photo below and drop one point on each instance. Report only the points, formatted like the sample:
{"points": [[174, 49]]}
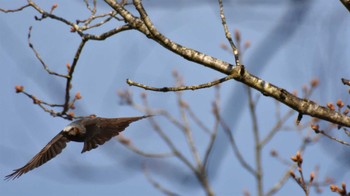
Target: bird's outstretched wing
{"points": [[100, 130], [53, 148]]}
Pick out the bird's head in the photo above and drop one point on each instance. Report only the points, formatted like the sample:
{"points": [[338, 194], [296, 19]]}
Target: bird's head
{"points": [[74, 128]]}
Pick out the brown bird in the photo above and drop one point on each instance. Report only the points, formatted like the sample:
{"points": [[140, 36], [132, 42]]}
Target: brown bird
{"points": [[91, 131]]}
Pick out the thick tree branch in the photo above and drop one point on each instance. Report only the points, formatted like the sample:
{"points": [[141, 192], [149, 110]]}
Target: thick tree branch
{"points": [[146, 27], [303, 106]]}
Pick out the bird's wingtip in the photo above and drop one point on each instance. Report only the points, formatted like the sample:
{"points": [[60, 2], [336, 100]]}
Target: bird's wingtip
{"points": [[12, 176], [148, 115]]}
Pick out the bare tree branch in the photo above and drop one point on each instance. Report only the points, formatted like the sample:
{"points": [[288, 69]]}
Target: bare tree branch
{"points": [[235, 149], [40, 59], [239, 73], [228, 34], [287, 174], [318, 131], [156, 184], [70, 75], [258, 147], [128, 144], [216, 112], [180, 88], [15, 10]]}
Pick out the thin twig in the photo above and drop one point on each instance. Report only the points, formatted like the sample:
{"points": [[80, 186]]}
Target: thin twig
{"points": [[70, 74], [93, 17], [38, 101], [216, 111], [171, 118], [97, 24], [180, 88], [187, 131], [277, 127], [127, 98], [201, 173], [286, 175], [39, 58], [156, 184], [211, 143], [281, 159], [276, 187], [53, 113], [138, 151], [107, 34], [333, 138], [50, 15], [168, 141], [197, 120], [258, 147], [15, 10], [92, 10], [228, 34], [235, 148]]}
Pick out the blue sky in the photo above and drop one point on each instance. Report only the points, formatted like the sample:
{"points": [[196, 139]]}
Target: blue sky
{"points": [[292, 42]]}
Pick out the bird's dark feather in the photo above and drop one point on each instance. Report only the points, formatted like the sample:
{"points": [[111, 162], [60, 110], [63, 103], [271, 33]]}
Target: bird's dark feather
{"points": [[53, 148], [100, 130]]}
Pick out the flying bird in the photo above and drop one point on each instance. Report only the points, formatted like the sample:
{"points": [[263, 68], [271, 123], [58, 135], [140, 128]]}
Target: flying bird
{"points": [[92, 131]]}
